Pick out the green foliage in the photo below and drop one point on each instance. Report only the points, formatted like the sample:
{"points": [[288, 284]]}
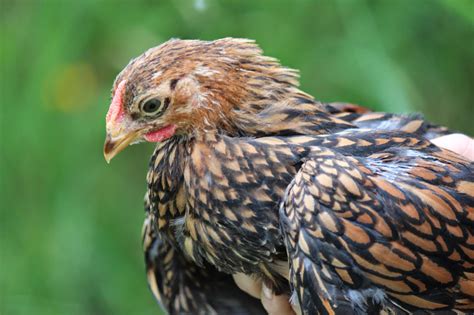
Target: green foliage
{"points": [[70, 224]]}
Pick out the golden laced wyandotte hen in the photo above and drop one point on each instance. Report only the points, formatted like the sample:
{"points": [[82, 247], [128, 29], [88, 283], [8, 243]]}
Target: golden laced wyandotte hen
{"points": [[348, 211]]}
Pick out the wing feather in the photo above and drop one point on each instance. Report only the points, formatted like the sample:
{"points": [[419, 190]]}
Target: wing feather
{"points": [[395, 224]]}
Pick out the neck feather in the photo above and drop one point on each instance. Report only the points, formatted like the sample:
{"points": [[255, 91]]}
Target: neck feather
{"points": [[165, 194], [262, 99]]}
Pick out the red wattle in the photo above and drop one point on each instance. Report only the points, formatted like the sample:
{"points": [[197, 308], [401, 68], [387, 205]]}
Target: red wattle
{"points": [[160, 134]]}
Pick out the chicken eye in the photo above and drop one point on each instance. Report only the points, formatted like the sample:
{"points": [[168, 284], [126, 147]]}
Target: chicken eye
{"points": [[151, 106]]}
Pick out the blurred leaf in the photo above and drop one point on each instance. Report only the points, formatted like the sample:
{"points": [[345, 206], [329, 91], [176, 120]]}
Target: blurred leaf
{"points": [[72, 87], [465, 8]]}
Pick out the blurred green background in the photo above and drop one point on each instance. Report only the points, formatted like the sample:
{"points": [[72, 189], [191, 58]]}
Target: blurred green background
{"points": [[70, 223]]}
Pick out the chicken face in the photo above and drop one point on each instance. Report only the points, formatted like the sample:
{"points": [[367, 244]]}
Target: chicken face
{"points": [[146, 116], [148, 105]]}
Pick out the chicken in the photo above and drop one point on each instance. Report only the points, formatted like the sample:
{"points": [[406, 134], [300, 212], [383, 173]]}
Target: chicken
{"points": [[349, 211]]}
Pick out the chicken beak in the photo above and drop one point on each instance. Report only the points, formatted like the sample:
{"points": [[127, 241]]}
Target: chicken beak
{"points": [[115, 142]]}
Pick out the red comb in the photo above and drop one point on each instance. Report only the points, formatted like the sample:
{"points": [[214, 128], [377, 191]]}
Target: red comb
{"points": [[116, 112]]}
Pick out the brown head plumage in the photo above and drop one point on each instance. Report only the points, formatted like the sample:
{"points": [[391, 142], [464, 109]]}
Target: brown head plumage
{"points": [[187, 86]]}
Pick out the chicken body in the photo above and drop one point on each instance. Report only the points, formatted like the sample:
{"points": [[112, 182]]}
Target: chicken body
{"points": [[352, 212]]}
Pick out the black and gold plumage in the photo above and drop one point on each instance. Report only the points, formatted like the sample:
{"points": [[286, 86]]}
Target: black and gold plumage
{"points": [[350, 211]]}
